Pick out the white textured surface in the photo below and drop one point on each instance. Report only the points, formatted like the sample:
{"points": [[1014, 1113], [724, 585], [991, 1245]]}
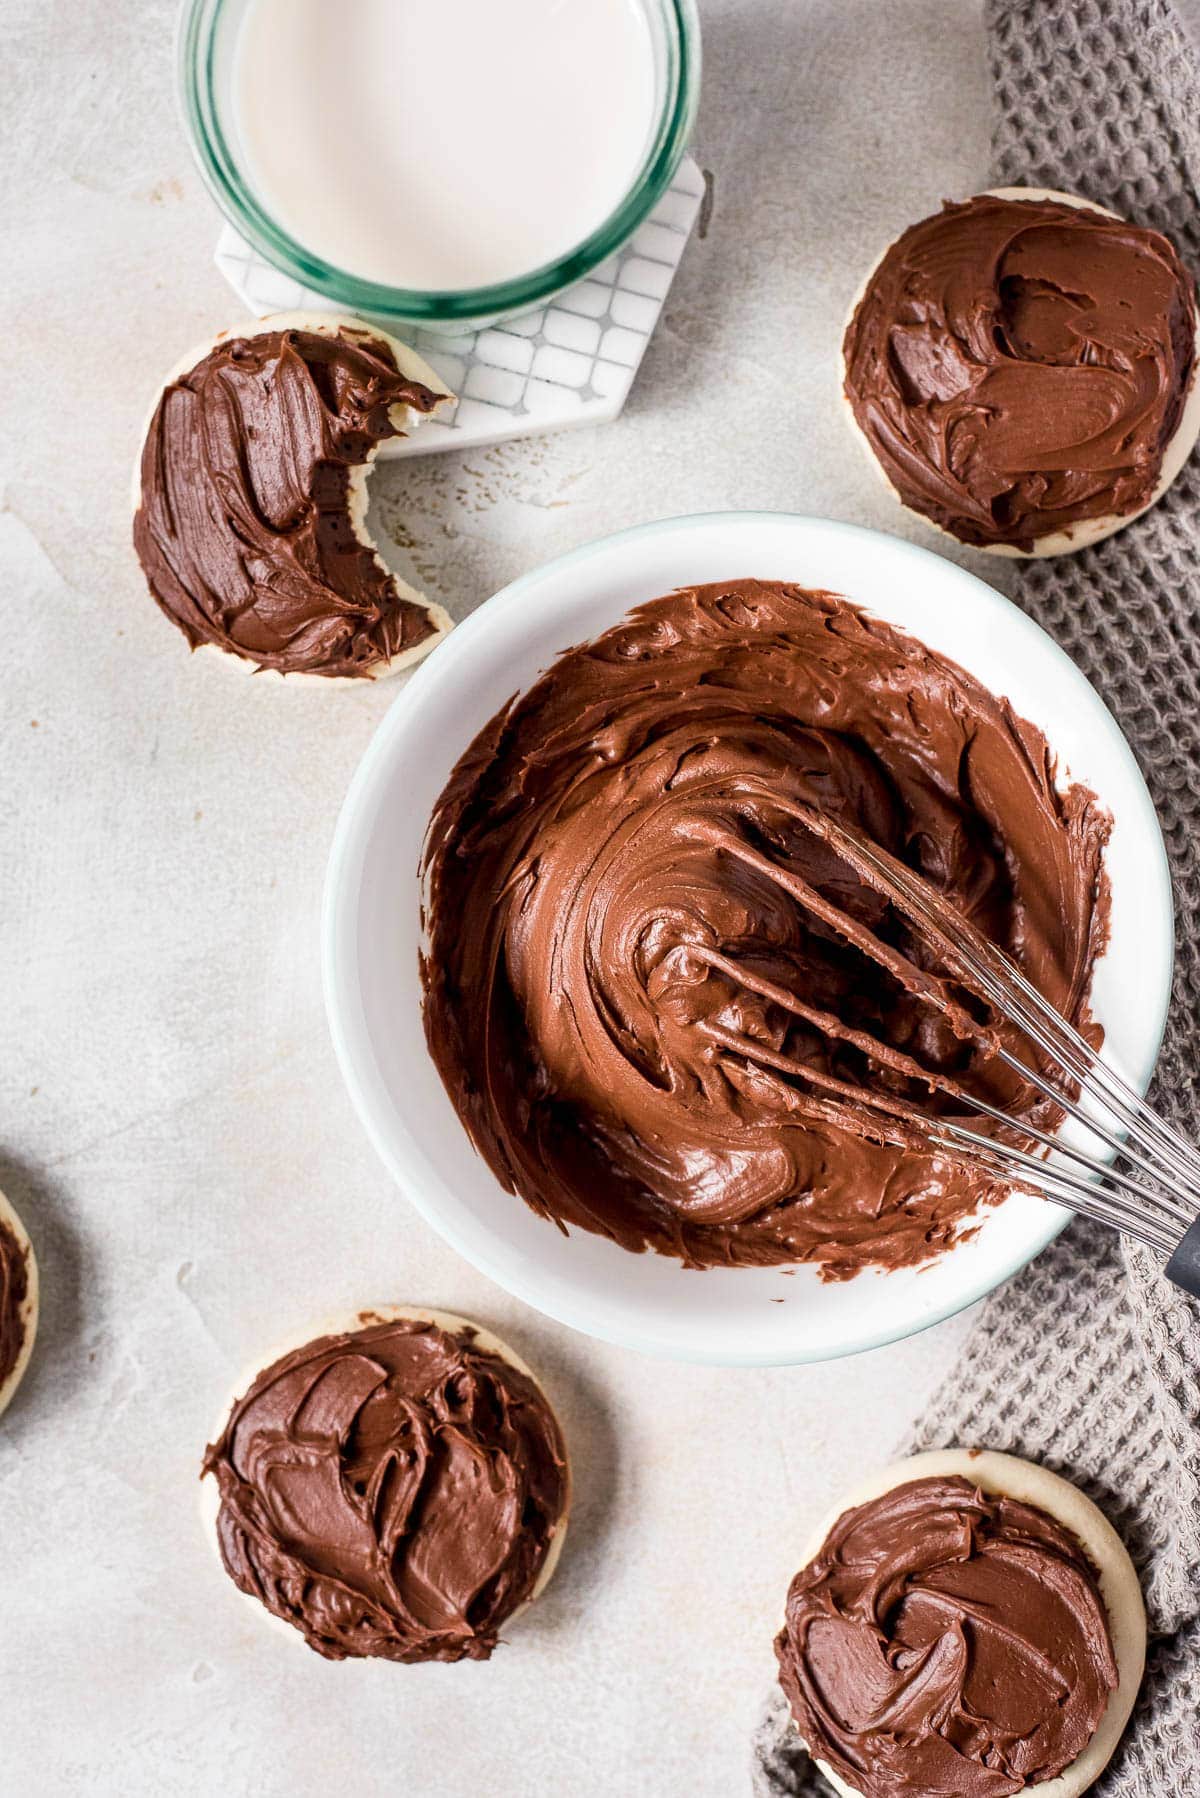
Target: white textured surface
{"points": [[174, 1132]]}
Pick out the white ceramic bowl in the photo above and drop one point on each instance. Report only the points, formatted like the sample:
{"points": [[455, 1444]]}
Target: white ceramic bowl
{"points": [[372, 930]]}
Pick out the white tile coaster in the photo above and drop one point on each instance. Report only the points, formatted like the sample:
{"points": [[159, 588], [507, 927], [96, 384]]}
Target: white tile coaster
{"points": [[571, 362]]}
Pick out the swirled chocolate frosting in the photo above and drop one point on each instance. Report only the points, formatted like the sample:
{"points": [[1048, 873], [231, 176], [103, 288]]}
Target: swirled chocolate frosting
{"points": [[244, 529], [390, 1492], [14, 1290], [943, 1640], [616, 972], [1019, 366]]}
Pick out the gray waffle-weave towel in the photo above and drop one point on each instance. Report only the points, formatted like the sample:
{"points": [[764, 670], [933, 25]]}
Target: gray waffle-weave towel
{"points": [[1089, 1361]]}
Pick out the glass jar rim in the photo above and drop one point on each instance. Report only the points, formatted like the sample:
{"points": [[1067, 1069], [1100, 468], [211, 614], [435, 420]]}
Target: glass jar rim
{"points": [[219, 170]]}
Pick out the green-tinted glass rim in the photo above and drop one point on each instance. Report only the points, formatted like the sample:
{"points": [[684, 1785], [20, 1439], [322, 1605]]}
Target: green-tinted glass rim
{"points": [[195, 56]]}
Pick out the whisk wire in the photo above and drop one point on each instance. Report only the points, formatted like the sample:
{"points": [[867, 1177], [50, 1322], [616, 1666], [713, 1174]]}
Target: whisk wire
{"points": [[1076, 1082], [1003, 984]]}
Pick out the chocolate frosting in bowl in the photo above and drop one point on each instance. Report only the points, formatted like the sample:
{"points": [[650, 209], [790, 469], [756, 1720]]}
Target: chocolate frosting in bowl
{"points": [[944, 1640], [245, 531], [14, 1290], [391, 1491], [1018, 367], [607, 929]]}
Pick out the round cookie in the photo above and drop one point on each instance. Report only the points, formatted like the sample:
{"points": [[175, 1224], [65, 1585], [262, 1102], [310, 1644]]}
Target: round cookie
{"points": [[1089, 530], [18, 1301], [1009, 1476], [480, 1339], [403, 417]]}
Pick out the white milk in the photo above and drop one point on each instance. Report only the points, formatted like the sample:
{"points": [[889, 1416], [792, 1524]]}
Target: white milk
{"points": [[443, 143]]}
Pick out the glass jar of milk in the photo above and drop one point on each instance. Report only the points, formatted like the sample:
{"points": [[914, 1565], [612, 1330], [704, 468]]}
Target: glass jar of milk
{"points": [[438, 162]]}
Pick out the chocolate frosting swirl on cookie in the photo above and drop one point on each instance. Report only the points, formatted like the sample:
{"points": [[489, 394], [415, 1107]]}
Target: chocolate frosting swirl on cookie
{"points": [[244, 529], [391, 1492], [943, 1640], [1019, 366], [14, 1290], [604, 920]]}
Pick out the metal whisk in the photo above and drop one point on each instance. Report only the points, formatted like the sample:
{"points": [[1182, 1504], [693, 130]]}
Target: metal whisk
{"points": [[1099, 1102]]}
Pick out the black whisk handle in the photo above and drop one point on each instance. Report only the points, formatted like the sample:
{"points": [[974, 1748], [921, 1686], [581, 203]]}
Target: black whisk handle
{"points": [[1184, 1265]]}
